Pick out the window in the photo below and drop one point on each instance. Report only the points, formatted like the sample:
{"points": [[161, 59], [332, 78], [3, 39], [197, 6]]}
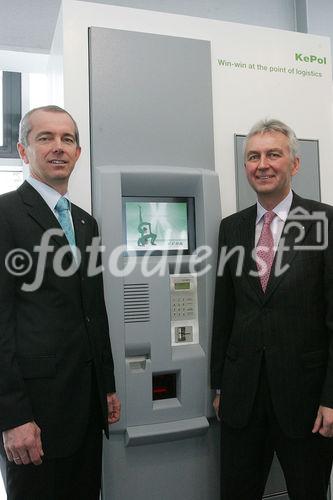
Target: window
{"points": [[10, 113], [10, 179]]}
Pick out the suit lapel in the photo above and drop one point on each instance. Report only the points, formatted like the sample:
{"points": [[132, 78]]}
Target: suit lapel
{"points": [[293, 235], [289, 239], [80, 224], [38, 209], [247, 237]]}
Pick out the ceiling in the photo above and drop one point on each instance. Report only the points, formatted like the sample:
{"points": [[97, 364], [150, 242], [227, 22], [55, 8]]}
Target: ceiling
{"points": [[28, 25]]}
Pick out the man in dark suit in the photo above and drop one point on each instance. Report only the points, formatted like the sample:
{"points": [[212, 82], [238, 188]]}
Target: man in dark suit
{"points": [[57, 388], [272, 349]]}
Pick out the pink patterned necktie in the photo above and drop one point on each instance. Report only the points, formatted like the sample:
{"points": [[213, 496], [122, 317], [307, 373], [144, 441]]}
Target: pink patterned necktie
{"points": [[265, 249]]}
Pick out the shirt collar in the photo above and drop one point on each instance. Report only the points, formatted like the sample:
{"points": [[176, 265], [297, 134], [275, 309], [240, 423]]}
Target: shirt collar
{"points": [[281, 210], [49, 195]]}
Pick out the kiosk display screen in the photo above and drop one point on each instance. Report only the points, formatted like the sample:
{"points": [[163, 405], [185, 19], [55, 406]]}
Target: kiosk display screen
{"points": [[157, 225]]}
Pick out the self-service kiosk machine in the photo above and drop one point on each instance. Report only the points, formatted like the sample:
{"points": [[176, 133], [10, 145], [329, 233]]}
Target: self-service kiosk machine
{"points": [[159, 227]]}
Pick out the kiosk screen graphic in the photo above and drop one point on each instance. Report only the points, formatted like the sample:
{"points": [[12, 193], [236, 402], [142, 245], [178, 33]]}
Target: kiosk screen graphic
{"points": [[159, 224]]}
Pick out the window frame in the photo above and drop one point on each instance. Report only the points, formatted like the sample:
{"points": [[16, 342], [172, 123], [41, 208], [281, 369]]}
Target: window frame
{"points": [[12, 110]]}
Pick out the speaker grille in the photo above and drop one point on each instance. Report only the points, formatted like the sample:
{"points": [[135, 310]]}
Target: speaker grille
{"points": [[136, 303]]}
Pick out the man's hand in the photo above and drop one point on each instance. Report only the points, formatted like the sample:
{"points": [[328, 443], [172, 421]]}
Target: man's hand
{"points": [[324, 422], [113, 408], [216, 405], [23, 444]]}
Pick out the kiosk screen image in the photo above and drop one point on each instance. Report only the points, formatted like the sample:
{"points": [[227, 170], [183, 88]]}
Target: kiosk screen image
{"points": [[158, 224]]}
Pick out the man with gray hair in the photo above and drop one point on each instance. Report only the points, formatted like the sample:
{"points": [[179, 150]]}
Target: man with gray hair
{"points": [[57, 387], [272, 346]]}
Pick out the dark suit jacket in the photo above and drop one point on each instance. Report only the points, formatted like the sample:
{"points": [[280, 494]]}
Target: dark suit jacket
{"points": [[292, 323], [50, 338]]}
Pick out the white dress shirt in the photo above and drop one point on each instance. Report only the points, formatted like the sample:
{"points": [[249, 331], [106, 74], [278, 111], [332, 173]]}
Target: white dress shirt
{"points": [[281, 210]]}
